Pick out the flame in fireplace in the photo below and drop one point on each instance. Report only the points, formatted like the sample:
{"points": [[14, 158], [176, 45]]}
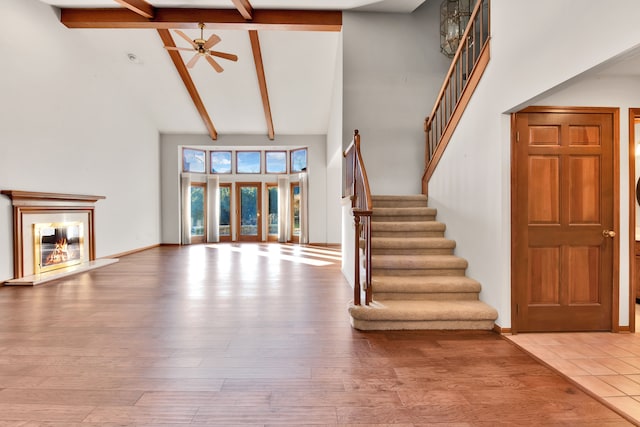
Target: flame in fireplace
{"points": [[59, 254], [57, 245]]}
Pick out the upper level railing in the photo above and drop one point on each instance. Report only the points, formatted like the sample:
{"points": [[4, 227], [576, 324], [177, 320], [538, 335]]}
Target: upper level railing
{"points": [[356, 187], [467, 67]]}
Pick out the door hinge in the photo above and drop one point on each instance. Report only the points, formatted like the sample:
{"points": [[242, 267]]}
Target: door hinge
{"points": [[517, 136]]}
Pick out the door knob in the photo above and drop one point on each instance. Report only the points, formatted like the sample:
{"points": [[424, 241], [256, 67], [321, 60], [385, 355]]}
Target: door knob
{"points": [[608, 233]]}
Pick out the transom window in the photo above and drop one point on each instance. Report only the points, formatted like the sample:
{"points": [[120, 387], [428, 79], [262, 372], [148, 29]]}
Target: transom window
{"points": [[299, 160], [248, 162], [244, 161], [220, 161], [193, 160], [276, 161]]}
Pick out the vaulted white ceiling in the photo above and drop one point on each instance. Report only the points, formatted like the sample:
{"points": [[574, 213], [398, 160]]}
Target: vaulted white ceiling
{"points": [[299, 68]]}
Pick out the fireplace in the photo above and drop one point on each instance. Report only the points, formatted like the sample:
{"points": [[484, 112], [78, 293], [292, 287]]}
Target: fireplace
{"points": [[57, 245], [53, 236]]}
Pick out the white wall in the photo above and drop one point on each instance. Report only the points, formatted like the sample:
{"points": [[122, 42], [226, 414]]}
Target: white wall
{"points": [[67, 126], [393, 71], [558, 40], [170, 145], [334, 155]]}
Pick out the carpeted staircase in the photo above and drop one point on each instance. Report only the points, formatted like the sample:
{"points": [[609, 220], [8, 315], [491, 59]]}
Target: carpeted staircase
{"points": [[417, 281]]}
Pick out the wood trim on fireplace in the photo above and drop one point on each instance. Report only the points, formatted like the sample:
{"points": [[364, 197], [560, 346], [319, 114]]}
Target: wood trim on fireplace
{"points": [[30, 202]]}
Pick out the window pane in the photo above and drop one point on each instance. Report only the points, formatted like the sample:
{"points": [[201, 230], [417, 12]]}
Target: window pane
{"points": [[298, 160], [221, 162], [249, 211], [193, 160], [273, 210], [248, 161], [197, 211], [276, 161], [225, 208]]}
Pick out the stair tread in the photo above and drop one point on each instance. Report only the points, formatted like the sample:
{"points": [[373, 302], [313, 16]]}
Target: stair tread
{"points": [[419, 310], [411, 242]]}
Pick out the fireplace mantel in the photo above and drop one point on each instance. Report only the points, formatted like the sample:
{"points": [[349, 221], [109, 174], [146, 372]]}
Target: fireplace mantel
{"points": [[31, 207], [23, 196]]}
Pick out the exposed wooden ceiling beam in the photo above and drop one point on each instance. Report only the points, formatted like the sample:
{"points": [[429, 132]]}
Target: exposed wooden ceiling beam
{"points": [[262, 81], [141, 7], [172, 18], [188, 82], [245, 8]]}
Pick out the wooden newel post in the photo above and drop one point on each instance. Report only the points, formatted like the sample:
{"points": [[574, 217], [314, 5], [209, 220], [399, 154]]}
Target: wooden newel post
{"points": [[368, 292], [356, 284]]}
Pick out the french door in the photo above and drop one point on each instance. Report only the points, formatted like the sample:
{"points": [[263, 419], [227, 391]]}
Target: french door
{"points": [[248, 211], [224, 224], [198, 212], [295, 212], [272, 214]]}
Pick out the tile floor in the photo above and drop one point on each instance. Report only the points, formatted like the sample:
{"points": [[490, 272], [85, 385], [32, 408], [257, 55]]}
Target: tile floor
{"points": [[606, 365]]}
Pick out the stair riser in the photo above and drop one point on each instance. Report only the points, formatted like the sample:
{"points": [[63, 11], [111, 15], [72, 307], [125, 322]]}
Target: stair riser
{"points": [[408, 227], [402, 218], [392, 325], [416, 263], [412, 251], [448, 296], [403, 286], [398, 210], [411, 243], [399, 204], [380, 233], [417, 272], [409, 285], [394, 201]]}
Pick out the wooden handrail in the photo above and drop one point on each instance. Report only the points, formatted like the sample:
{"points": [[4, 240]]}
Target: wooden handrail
{"points": [[356, 187], [467, 66]]}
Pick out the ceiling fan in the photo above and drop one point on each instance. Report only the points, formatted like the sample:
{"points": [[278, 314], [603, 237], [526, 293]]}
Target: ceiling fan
{"points": [[201, 47]]}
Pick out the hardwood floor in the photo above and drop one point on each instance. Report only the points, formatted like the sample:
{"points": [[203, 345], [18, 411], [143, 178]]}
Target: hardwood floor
{"points": [[253, 335]]}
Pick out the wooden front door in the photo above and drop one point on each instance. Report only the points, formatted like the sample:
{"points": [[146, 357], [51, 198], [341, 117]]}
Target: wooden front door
{"points": [[563, 219]]}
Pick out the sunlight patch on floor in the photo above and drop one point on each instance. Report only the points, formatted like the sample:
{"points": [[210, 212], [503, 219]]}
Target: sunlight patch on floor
{"points": [[275, 251]]}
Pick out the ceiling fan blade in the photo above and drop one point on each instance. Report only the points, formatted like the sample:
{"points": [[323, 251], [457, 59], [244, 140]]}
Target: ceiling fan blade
{"points": [[229, 56], [214, 64], [186, 37], [179, 48], [193, 60], [213, 40]]}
